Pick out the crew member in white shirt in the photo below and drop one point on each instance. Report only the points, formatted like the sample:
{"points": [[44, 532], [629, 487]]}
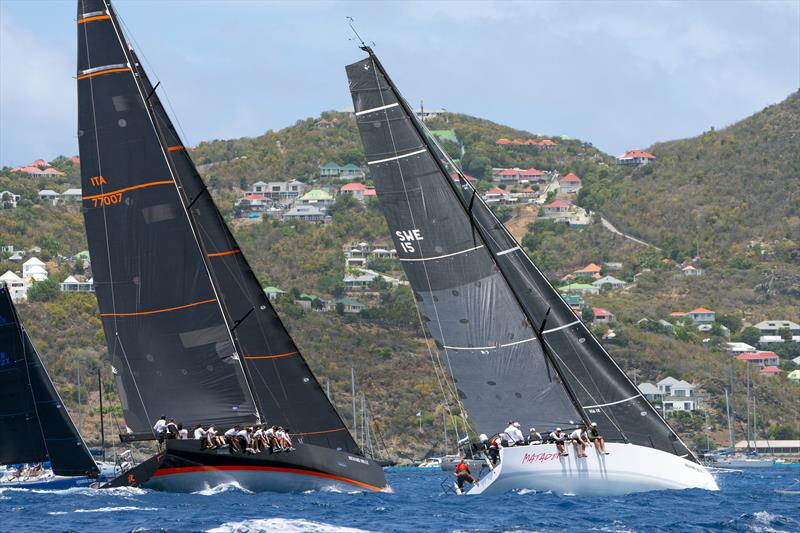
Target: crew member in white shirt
{"points": [[580, 439], [161, 428], [559, 437]]}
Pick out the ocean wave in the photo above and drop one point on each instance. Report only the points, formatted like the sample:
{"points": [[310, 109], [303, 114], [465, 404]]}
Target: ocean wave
{"points": [[287, 525], [766, 522], [231, 486], [125, 508]]}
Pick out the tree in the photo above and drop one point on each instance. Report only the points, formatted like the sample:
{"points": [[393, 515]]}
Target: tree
{"points": [[786, 334], [750, 335], [340, 308], [587, 314], [43, 291], [733, 323]]}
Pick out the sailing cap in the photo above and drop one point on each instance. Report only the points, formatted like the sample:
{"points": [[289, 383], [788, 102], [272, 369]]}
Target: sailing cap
{"points": [[516, 424], [558, 429], [594, 424], [532, 430]]}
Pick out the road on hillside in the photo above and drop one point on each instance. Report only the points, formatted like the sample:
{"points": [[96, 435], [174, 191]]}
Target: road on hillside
{"points": [[610, 227]]}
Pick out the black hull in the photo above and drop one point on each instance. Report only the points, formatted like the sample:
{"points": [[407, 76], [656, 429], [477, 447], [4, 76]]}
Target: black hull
{"points": [[184, 467]]}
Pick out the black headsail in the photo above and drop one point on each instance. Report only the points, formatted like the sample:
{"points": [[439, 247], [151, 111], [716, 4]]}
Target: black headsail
{"points": [[34, 424], [268, 362], [475, 284]]}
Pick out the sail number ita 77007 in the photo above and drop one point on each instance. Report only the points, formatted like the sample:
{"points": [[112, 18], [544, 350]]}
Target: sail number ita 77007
{"points": [[407, 238]]}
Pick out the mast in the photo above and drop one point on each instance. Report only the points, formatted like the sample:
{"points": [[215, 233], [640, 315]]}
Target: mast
{"points": [[747, 404], [353, 396], [730, 425], [102, 424], [80, 405]]}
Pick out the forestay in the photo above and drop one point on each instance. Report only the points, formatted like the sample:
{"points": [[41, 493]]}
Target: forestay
{"points": [[449, 241], [34, 424]]}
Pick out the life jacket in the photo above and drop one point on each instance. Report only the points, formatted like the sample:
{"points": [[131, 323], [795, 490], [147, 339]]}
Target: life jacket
{"points": [[494, 443], [462, 467]]}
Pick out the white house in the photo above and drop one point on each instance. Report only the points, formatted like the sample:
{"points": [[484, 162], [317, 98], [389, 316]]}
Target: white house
{"points": [[279, 191], [17, 286], [365, 277], [72, 195], [51, 197], [569, 184], [759, 358], [9, 200], [739, 347], [496, 195], [556, 209], [635, 158], [702, 315], [609, 280], [691, 271], [678, 395], [34, 269], [307, 213], [650, 392], [771, 330], [71, 284]]}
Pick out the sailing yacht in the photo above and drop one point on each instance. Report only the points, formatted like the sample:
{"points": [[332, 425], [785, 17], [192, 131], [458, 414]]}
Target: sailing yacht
{"points": [[190, 332], [513, 347], [35, 427]]}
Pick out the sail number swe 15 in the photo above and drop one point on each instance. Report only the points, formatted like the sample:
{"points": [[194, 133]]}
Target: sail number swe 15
{"points": [[407, 238]]}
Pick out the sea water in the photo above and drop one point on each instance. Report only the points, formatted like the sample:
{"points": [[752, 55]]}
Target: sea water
{"points": [[746, 502]]}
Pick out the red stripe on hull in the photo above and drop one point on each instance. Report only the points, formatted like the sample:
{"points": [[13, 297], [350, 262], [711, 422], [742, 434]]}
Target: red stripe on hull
{"points": [[189, 469]]}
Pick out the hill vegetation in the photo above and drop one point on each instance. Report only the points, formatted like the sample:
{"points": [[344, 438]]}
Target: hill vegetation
{"points": [[715, 193]]}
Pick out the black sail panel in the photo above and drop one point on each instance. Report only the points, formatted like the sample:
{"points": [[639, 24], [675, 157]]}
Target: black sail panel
{"points": [[483, 337], [21, 435], [286, 390], [405, 161], [171, 350], [34, 423]]}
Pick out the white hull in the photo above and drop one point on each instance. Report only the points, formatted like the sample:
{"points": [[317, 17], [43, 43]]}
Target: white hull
{"points": [[628, 468], [250, 480]]}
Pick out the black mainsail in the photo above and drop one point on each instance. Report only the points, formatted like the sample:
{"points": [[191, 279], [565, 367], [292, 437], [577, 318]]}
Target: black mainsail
{"points": [[514, 348], [191, 333], [34, 424]]}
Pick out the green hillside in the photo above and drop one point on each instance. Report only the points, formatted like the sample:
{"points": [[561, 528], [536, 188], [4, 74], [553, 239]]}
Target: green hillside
{"points": [[661, 203]]}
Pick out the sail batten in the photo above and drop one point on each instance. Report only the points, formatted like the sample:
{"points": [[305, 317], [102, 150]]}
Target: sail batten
{"points": [[454, 214]]}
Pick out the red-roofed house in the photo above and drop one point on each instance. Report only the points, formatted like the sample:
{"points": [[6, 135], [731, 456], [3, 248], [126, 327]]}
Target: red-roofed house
{"points": [[760, 358], [324, 124], [531, 142], [355, 189], [569, 184], [602, 316], [555, 209], [370, 193], [254, 203], [702, 314], [502, 141], [517, 142], [589, 270], [507, 176], [496, 195], [40, 163], [635, 158], [75, 159], [547, 143], [769, 370], [526, 194], [50, 172], [532, 175]]}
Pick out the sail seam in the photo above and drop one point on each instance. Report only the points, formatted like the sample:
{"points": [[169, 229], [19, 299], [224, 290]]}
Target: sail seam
{"points": [[91, 18], [490, 347], [104, 70], [565, 326], [397, 157], [441, 256], [611, 403], [126, 189], [381, 108], [278, 356], [229, 252], [166, 310]]}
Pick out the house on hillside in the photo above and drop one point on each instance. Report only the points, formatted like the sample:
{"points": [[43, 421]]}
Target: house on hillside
{"points": [[507, 176], [346, 172], [279, 191], [794, 375], [34, 269], [556, 209], [325, 124], [9, 200], [496, 195], [610, 280], [306, 213], [254, 203], [635, 158], [72, 195], [691, 271], [547, 144], [575, 302], [49, 196], [650, 392], [569, 184], [348, 305], [273, 293], [769, 371], [316, 197], [589, 271], [702, 314], [581, 288], [532, 175], [17, 286], [738, 347], [771, 330], [760, 358], [602, 316], [71, 284], [677, 395]]}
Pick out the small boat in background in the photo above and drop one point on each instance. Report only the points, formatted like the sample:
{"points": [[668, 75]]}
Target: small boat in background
{"points": [[792, 490]]}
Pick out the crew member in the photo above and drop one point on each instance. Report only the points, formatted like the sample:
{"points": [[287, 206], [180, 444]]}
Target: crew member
{"points": [[232, 440], [494, 450], [201, 435], [597, 439], [463, 475], [513, 434], [161, 428], [172, 429], [183, 433], [580, 439], [534, 437], [559, 437]]}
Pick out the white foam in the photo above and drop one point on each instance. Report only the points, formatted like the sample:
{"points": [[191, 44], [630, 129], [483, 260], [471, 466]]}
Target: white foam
{"points": [[223, 487], [287, 525], [125, 508], [56, 513]]}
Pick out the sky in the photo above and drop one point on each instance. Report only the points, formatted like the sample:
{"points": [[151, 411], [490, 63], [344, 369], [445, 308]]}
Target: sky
{"points": [[620, 75]]}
